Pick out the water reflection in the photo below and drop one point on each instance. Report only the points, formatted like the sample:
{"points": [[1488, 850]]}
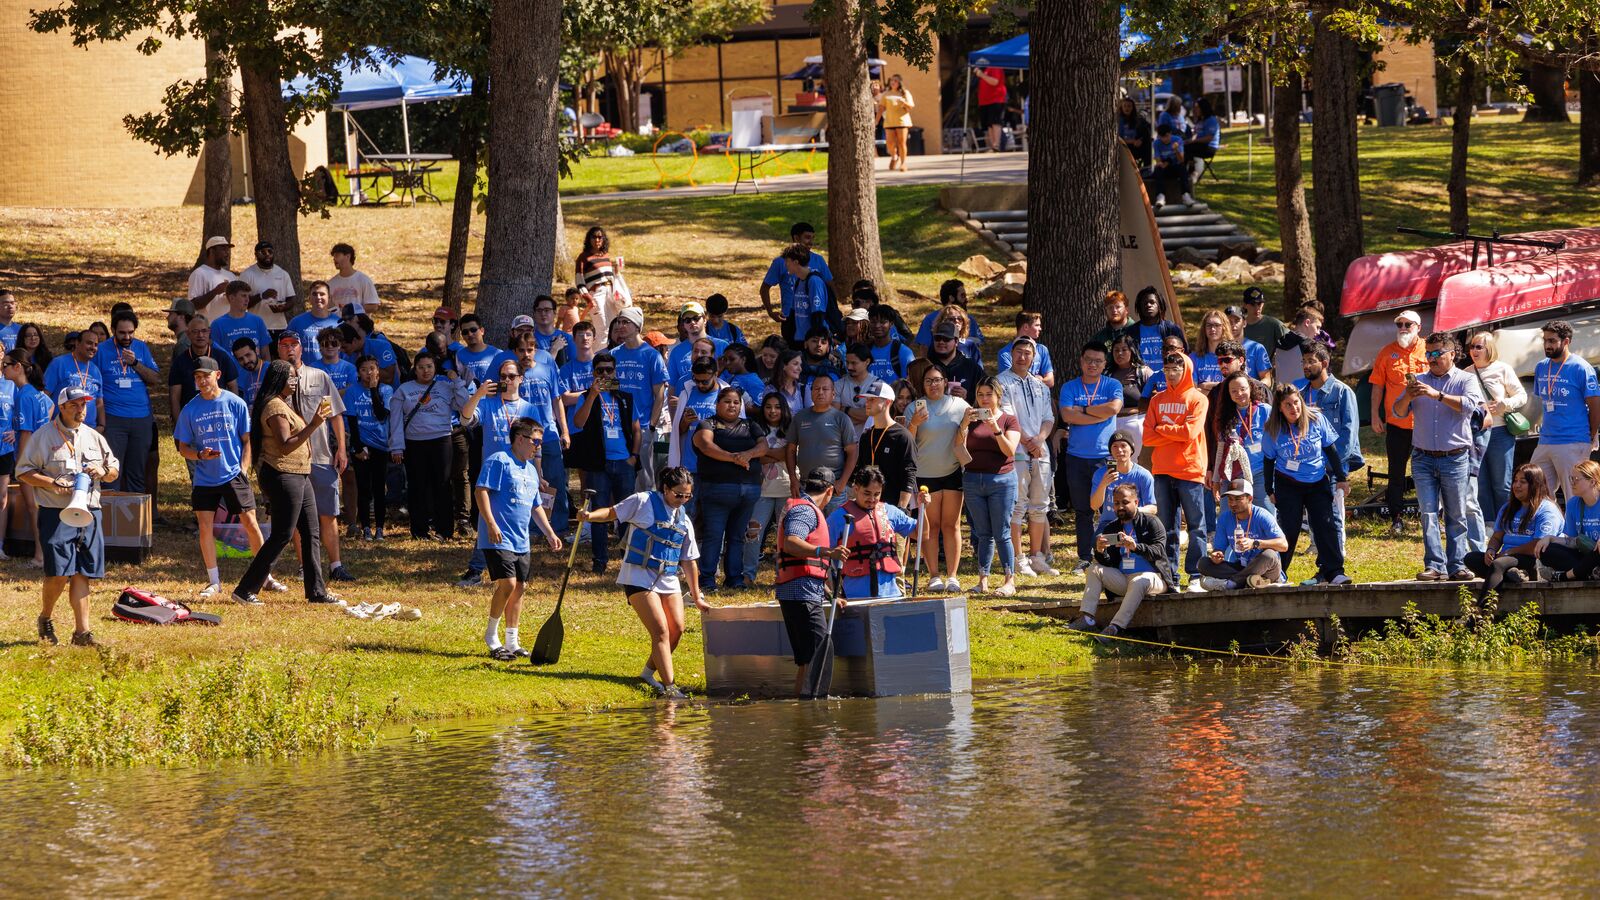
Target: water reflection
{"points": [[1128, 778]]}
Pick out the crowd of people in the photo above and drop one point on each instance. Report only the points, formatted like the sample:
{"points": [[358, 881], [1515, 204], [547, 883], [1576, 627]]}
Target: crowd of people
{"points": [[846, 433], [1175, 151]]}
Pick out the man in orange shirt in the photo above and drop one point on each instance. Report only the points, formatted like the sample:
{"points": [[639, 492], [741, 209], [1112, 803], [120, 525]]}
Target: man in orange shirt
{"points": [[1402, 359], [1174, 431]]}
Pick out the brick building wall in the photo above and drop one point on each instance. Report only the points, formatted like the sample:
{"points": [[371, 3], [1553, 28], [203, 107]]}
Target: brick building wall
{"points": [[61, 112], [1411, 64]]}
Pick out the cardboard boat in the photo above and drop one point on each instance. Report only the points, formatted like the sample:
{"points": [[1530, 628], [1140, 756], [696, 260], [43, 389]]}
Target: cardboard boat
{"points": [[1516, 290]]}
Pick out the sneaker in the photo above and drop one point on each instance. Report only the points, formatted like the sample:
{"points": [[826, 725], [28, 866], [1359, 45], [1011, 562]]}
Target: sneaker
{"points": [[378, 535], [1515, 576], [274, 585], [1081, 623], [323, 598], [1311, 582], [1430, 575], [1006, 590], [1397, 527], [1195, 587], [353, 532], [1025, 567], [952, 584], [1260, 581], [1342, 578], [936, 585], [1082, 566], [597, 567], [47, 632], [35, 563], [1041, 566], [246, 599], [1161, 200], [672, 692], [85, 639], [648, 676], [1107, 633], [471, 579], [340, 573], [1217, 584], [366, 534], [1188, 200], [209, 591]]}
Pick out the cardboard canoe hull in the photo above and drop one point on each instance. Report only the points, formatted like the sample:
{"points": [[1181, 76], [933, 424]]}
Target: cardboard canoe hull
{"points": [[1514, 290]]}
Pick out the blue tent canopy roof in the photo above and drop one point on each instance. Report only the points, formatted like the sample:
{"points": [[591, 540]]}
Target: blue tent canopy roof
{"points": [[1008, 54], [411, 79], [1013, 54]]}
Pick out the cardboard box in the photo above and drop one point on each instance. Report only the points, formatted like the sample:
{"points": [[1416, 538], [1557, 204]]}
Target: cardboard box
{"points": [[127, 520]]}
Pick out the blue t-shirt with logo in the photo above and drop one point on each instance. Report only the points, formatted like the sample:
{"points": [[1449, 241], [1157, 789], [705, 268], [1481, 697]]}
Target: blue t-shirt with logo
{"points": [[704, 405], [222, 425], [226, 329], [372, 428], [1545, 522], [1256, 359], [513, 496], [1206, 368], [576, 377], [1251, 429], [125, 393], [541, 387], [1132, 562], [340, 372], [750, 384], [8, 335], [884, 365], [480, 365], [680, 359], [613, 433], [496, 416], [1137, 475], [33, 409], [639, 370], [382, 352], [8, 416], [1089, 441], [728, 332], [1041, 358], [1150, 341], [249, 381], [65, 371], [1301, 458], [1582, 520], [778, 274], [1563, 389], [308, 327], [1261, 525]]}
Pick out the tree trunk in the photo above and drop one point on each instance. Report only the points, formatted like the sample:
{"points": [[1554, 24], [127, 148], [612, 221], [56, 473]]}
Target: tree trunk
{"points": [[469, 144], [1335, 165], [1294, 222], [624, 80], [1548, 85], [272, 176], [562, 257], [852, 182], [1073, 218], [519, 234], [1589, 128], [218, 152], [1460, 140]]}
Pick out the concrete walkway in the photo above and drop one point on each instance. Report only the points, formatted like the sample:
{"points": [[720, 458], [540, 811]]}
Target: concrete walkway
{"points": [[981, 168]]}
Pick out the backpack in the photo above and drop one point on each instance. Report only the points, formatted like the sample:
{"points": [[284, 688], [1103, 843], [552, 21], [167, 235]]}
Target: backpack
{"points": [[146, 608], [831, 315]]}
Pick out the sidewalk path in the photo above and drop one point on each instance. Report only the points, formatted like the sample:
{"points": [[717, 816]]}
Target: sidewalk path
{"points": [[981, 168]]}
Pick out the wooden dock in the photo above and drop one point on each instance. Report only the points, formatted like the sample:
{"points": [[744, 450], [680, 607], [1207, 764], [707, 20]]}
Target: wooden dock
{"points": [[1273, 615]]}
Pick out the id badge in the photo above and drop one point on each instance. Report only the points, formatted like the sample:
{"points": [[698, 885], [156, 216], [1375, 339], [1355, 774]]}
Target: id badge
{"points": [[1255, 447], [125, 383], [1549, 406], [1291, 465], [1127, 562], [613, 432]]}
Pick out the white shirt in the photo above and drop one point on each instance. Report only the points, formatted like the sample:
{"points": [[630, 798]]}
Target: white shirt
{"points": [[1028, 398], [636, 509], [274, 279], [204, 278], [1503, 385], [355, 290]]}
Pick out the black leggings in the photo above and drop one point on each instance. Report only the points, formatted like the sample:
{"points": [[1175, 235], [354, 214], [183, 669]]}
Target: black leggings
{"points": [[294, 508], [1316, 500], [427, 488], [1397, 446], [372, 478], [1493, 574], [1571, 559]]}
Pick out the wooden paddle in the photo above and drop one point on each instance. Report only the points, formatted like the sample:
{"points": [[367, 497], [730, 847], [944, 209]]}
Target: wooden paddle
{"points": [[922, 524], [547, 646], [819, 677]]}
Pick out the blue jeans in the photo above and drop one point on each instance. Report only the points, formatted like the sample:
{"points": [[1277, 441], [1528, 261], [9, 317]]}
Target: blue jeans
{"points": [[766, 514], [554, 469], [989, 499], [610, 485], [1441, 489], [725, 508], [1080, 487], [1494, 476], [1172, 494]]}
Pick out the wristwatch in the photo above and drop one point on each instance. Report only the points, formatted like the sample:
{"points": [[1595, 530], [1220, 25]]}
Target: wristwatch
{"points": [[1255, 544]]}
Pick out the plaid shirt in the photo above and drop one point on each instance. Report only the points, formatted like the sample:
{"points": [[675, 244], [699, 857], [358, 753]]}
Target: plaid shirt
{"points": [[1028, 398]]}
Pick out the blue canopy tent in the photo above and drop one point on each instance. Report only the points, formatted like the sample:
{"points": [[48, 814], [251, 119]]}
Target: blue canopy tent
{"points": [[407, 80]]}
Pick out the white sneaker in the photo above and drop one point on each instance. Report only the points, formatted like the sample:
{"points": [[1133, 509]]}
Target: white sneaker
{"points": [[649, 678], [1188, 200], [209, 591], [274, 585], [952, 584], [1215, 584], [1161, 200], [1023, 568], [1195, 587], [1041, 566]]}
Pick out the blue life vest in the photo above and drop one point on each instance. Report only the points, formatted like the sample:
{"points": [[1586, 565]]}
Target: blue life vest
{"points": [[659, 546]]}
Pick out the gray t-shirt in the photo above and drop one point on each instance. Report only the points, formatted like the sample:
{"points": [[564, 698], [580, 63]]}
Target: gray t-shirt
{"points": [[820, 439], [314, 385], [936, 438]]}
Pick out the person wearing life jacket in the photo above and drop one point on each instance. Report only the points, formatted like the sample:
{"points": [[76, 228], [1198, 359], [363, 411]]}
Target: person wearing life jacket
{"points": [[805, 556], [658, 561], [871, 567]]}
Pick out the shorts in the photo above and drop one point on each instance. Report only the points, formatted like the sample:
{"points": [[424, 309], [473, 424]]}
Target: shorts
{"points": [[628, 590], [233, 495], [71, 551], [8, 464], [325, 487], [991, 114], [508, 564], [807, 626], [951, 482]]}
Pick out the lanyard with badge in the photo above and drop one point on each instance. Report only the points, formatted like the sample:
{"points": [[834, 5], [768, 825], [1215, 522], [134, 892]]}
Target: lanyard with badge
{"points": [[1292, 464], [73, 464], [1127, 555], [1550, 382], [610, 419], [1246, 432], [124, 381]]}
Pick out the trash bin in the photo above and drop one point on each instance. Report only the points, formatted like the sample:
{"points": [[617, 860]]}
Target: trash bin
{"points": [[1391, 102], [914, 143]]}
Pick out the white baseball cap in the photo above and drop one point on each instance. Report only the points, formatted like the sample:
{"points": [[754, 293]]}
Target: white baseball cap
{"points": [[1409, 316], [217, 240]]}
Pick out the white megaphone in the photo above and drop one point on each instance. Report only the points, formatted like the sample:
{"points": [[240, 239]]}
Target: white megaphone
{"points": [[77, 512]]}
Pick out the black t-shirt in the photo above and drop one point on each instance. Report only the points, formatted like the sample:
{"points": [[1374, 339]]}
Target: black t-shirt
{"points": [[588, 451], [181, 374], [892, 450], [738, 437]]}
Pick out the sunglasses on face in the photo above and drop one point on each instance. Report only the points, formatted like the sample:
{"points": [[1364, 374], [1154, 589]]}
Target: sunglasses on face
{"points": [[471, 329], [1404, 326], [1229, 358], [1435, 354], [1476, 347]]}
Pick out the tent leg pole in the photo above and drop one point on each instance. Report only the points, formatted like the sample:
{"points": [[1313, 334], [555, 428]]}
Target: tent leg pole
{"points": [[966, 106], [405, 126]]}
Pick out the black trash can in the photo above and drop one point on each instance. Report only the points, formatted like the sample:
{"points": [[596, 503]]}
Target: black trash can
{"points": [[914, 145], [1391, 102]]}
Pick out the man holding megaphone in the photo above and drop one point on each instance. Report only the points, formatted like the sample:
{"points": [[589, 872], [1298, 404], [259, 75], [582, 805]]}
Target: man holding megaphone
{"points": [[65, 462]]}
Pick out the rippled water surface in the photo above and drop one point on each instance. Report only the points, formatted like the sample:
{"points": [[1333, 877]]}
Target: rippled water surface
{"points": [[1127, 780]]}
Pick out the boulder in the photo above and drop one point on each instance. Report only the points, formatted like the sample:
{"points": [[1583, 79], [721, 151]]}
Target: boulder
{"points": [[1234, 269], [1018, 267], [1268, 272], [1240, 250], [1268, 256], [1186, 256], [980, 266]]}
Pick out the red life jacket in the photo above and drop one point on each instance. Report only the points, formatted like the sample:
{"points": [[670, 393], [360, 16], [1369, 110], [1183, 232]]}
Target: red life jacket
{"points": [[871, 542], [792, 567]]}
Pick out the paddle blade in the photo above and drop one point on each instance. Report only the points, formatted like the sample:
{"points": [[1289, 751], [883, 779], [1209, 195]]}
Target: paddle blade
{"points": [[819, 677], [547, 646]]}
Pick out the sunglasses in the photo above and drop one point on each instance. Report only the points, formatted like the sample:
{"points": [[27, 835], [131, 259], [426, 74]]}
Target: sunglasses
{"points": [[691, 317], [471, 330], [1476, 347], [1435, 354], [1229, 358], [604, 371], [1405, 326]]}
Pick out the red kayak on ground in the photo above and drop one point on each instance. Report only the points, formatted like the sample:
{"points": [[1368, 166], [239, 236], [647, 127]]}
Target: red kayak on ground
{"points": [[1513, 290], [1403, 279]]}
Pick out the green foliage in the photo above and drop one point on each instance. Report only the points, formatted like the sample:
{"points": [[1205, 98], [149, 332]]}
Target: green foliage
{"points": [[906, 28], [1475, 638]]}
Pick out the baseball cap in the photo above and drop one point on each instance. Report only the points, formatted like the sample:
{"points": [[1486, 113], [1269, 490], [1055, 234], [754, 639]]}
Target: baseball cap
{"points": [[182, 305], [217, 240], [1409, 316], [945, 330], [1254, 296], [859, 314], [692, 308], [445, 312], [632, 314], [69, 394], [1234, 312], [881, 391], [1239, 487], [521, 321], [206, 364], [655, 339], [264, 245], [289, 337]]}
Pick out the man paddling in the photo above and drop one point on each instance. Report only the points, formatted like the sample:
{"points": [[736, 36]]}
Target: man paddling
{"points": [[872, 564], [805, 554]]}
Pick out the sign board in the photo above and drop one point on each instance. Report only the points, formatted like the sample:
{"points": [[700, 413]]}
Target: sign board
{"points": [[1211, 79]]}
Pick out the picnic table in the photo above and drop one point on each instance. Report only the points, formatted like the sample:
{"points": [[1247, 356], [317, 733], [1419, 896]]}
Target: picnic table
{"points": [[408, 173]]}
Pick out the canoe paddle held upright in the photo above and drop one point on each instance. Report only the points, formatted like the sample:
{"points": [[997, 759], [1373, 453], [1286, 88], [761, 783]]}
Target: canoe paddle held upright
{"points": [[547, 646]]}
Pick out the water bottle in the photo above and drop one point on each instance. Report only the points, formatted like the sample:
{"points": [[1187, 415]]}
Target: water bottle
{"points": [[1238, 538]]}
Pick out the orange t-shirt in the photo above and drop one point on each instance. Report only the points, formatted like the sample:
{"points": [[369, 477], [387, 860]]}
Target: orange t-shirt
{"points": [[1389, 372]]}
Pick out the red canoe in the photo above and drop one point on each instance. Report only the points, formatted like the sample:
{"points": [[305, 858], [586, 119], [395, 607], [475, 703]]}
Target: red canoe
{"points": [[1526, 287], [1409, 278]]}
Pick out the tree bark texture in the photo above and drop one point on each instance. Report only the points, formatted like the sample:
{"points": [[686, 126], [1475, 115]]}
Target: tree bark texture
{"points": [[1589, 128], [852, 183], [624, 69], [1294, 221], [1548, 85], [272, 175], [1460, 142], [520, 230], [1335, 168], [218, 154], [469, 145], [1073, 218]]}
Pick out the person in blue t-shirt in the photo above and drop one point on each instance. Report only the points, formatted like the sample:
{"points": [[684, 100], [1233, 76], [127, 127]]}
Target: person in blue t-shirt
{"points": [[1170, 172], [362, 338], [507, 492], [812, 303], [1089, 406], [778, 275], [248, 367], [366, 404], [891, 358], [577, 373], [1207, 138], [1123, 467], [1303, 470], [1245, 545], [1152, 326], [9, 326], [238, 321], [691, 328], [127, 370], [319, 316], [1029, 325], [717, 323], [477, 357], [643, 374], [330, 343], [549, 338], [1566, 386], [78, 369], [1573, 555], [213, 432], [1523, 530]]}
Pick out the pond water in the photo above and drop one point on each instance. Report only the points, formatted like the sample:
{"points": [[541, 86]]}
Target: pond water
{"points": [[1131, 778]]}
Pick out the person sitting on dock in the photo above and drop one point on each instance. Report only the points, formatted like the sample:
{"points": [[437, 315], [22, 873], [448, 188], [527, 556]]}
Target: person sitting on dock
{"points": [[1573, 555], [1245, 550], [1130, 561], [871, 567], [1523, 530], [805, 554]]}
